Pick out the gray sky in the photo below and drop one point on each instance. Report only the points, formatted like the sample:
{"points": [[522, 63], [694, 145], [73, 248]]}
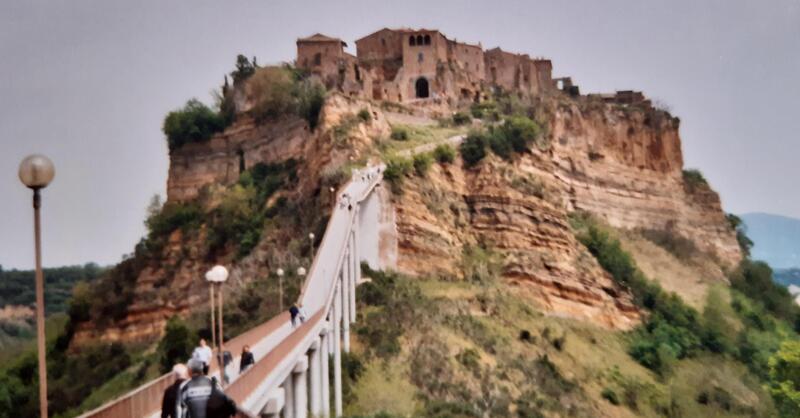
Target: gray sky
{"points": [[89, 82]]}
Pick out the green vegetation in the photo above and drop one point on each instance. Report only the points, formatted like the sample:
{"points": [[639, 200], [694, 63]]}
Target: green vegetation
{"points": [[422, 162], [516, 135], [279, 91], [745, 243], [176, 345], [364, 115], [239, 218], [399, 133], [461, 118], [444, 154], [17, 287], [396, 170], [784, 373], [244, 69], [195, 122], [694, 179], [680, 247]]}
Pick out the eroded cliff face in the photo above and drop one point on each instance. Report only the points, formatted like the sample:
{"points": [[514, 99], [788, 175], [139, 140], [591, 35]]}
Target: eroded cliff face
{"points": [[624, 164], [621, 164]]}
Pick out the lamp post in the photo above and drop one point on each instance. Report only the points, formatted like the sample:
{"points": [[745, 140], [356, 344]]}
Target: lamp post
{"points": [[36, 172], [279, 272], [218, 274], [301, 271]]}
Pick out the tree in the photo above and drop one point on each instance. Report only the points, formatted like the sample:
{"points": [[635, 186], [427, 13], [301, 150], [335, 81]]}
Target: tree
{"points": [[244, 69], [176, 345], [784, 373]]}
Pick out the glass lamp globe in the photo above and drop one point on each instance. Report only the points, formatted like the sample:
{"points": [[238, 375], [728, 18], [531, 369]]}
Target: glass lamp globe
{"points": [[217, 274], [301, 271], [36, 171], [279, 272]]}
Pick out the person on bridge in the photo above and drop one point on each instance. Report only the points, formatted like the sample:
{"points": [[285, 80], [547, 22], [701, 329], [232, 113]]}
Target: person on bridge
{"points": [[201, 397], [294, 311], [247, 359], [203, 354], [171, 393], [301, 313]]}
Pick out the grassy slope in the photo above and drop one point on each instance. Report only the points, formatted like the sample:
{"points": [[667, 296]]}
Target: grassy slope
{"points": [[489, 318]]}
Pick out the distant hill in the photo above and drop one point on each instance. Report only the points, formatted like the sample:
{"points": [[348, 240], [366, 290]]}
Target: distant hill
{"points": [[787, 277], [776, 238], [17, 287]]}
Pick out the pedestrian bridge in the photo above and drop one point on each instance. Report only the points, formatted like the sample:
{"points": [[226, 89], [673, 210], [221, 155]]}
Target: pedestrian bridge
{"points": [[291, 375]]}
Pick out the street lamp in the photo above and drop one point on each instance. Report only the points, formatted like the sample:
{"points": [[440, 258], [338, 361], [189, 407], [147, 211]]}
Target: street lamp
{"points": [[36, 172], [218, 274], [279, 272], [311, 246], [301, 271]]}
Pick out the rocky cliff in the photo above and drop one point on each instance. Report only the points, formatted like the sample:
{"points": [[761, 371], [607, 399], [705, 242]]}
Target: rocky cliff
{"points": [[620, 163]]}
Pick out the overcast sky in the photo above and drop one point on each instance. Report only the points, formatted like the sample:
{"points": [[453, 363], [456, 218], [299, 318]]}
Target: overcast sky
{"points": [[89, 82]]}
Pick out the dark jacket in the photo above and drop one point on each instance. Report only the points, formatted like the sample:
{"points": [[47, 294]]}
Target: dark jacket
{"points": [[201, 397], [247, 360], [170, 397]]}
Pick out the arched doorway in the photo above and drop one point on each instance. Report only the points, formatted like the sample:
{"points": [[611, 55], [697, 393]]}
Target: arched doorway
{"points": [[422, 88]]}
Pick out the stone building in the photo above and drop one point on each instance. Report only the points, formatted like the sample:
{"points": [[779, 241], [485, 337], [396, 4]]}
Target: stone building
{"points": [[407, 65]]}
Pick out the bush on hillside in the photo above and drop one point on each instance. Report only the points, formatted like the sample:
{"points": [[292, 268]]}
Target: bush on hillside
{"points": [[422, 162], [682, 248], [736, 223], [444, 154], [176, 345], [784, 372], [364, 115], [461, 118], [473, 149], [279, 91], [244, 68], [395, 172], [694, 179], [195, 122], [399, 133], [754, 279]]}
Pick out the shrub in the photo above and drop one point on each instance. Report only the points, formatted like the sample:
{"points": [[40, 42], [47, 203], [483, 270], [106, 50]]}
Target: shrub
{"points": [[520, 132], [461, 118], [310, 96], [364, 115], [754, 278], [444, 154], [609, 395], [784, 372], [682, 248], [422, 162], [745, 244], [195, 122], [244, 69], [499, 144], [694, 179], [272, 89], [396, 170], [176, 344], [487, 109], [473, 149], [470, 359], [399, 133]]}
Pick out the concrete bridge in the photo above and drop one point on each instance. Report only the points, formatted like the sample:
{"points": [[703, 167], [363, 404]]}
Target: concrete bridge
{"points": [[291, 375]]}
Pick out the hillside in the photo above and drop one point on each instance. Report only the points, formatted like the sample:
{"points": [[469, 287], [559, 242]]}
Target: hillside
{"points": [[776, 238]]}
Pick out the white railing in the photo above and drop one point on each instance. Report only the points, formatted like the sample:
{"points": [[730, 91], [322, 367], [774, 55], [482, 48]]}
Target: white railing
{"points": [[291, 374]]}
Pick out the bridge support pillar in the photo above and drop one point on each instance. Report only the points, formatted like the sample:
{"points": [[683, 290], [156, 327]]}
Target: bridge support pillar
{"points": [[337, 350], [324, 373], [345, 295], [300, 390], [315, 378], [288, 397]]}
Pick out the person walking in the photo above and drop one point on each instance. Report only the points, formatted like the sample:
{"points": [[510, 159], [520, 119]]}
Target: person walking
{"points": [[294, 311], [171, 393], [201, 397], [203, 354], [301, 313], [247, 359]]}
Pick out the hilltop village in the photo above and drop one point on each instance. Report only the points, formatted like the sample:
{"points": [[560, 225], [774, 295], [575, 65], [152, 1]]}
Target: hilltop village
{"points": [[407, 65]]}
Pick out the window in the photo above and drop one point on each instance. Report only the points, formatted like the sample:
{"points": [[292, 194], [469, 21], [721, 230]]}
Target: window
{"points": [[427, 39], [317, 59], [411, 41], [421, 87], [419, 40]]}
